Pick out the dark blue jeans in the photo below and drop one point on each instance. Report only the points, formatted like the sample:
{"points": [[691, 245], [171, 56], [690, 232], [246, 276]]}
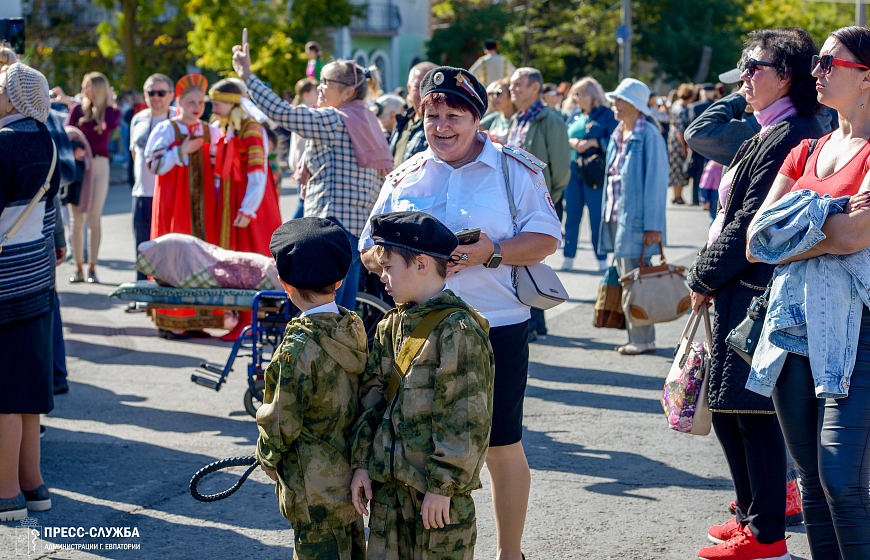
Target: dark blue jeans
{"points": [[346, 294], [141, 225], [58, 346], [578, 195], [830, 442]]}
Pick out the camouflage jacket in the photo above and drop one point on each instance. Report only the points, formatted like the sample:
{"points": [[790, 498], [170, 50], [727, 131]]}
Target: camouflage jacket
{"points": [[310, 404], [435, 433]]}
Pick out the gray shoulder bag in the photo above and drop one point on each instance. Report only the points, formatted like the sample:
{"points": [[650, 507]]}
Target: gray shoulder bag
{"points": [[537, 285], [33, 202]]}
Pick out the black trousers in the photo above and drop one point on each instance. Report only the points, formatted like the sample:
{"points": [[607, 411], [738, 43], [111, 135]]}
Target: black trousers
{"points": [[755, 451], [830, 442], [141, 225]]}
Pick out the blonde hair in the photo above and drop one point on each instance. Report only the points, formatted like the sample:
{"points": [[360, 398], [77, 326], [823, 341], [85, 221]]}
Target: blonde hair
{"points": [[7, 55], [589, 88], [95, 109], [365, 87]]}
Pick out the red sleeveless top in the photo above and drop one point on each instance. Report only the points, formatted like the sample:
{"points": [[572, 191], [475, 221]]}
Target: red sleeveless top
{"points": [[843, 182]]}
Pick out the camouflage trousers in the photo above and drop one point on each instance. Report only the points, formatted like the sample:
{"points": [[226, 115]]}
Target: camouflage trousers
{"points": [[396, 528], [339, 543]]}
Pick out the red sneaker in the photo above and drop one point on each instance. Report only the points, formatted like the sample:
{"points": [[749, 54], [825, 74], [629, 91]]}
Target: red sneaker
{"points": [[721, 533], [744, 546], [793, 504]]}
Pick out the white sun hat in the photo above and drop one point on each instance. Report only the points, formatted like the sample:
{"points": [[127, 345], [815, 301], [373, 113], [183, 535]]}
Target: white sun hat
{"points": [[633, 91]]}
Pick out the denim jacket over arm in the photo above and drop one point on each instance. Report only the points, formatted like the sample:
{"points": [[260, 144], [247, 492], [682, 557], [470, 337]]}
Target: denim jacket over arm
{"points": [[815, 305]]}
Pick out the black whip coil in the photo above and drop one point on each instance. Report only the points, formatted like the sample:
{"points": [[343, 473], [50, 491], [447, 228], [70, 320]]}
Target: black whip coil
{"points": [[216, 466]]}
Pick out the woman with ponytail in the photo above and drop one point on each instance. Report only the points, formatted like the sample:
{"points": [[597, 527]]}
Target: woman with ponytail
{"points": [[346, 157]]}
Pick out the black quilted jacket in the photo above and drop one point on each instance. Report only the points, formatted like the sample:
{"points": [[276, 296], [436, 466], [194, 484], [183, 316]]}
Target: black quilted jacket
{"points": [[721, 269]]}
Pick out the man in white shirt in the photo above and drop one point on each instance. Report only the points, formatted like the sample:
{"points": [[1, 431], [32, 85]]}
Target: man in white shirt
{"points": [[158, 96]]}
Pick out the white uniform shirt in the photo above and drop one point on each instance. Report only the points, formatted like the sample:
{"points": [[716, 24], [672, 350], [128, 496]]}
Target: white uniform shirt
{"points": [[470, 197], [140, 129]]}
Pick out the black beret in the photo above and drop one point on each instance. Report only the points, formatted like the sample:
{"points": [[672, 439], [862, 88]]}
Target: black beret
{"points": [[415, 231], [446, 79], [311, 253]]}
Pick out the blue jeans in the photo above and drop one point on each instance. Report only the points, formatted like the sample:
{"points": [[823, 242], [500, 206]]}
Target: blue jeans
{"points": [[300, 205], [346, 294], [578, 195]]}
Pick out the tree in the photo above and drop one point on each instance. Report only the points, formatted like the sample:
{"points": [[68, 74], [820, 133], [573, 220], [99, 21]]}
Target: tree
{"points": [[463, 26], [277, 35]]}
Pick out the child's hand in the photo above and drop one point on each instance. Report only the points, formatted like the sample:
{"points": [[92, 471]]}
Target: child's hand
{"points": [[241, 221], [856, 201], [270, 473], [361, 490], [435, 511]]}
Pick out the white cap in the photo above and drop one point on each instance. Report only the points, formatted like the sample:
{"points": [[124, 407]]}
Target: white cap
{"points": [[27, 89], [633, 91]]}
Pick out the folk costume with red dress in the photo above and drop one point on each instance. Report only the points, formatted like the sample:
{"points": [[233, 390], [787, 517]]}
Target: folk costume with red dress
{"points": [[245, 184], [185, 197]]}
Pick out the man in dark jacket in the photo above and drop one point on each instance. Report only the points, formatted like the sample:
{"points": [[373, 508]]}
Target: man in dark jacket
{"points": [[696, 162], [408, 138]]}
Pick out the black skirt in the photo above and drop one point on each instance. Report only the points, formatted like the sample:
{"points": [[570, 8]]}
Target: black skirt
{"points": [[26, 385], [510, 348]]}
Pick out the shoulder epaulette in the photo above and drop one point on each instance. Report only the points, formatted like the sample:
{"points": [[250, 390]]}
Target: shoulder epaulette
{"points": [[524, 157], [409, 166]]}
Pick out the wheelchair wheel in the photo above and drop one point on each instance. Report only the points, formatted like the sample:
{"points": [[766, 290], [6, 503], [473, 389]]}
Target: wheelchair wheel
{"points": [[371, 310], [252, 403]]}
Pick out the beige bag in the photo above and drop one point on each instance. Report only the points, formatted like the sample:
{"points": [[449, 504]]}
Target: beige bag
{"points": [[684, 402], [655, 294], [537, 285]]}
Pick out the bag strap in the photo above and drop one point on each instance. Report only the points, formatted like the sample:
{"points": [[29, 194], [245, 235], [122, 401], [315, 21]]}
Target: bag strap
{"points": [[33, 201], [688, 333], [513, 206], [413, 345], [705, 314], [810, 149], [661, 253]]}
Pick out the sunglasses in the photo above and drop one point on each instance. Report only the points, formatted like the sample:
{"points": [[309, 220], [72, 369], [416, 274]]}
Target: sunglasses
{"points": [[325, 82], [826, 63], [751, 65], [496, 93], [157, 93]]}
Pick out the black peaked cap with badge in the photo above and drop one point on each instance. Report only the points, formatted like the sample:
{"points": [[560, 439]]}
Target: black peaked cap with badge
{"points": [[446, 79], [311, 253], [415, 231]]}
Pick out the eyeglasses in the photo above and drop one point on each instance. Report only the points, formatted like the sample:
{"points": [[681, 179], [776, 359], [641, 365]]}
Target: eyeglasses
{"points": [[826, 63], [325, 82], [157, 93], [496, 93], [750, 65]]}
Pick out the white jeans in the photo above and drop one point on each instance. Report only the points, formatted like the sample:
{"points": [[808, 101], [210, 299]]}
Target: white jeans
{"points": [[92, 216]]}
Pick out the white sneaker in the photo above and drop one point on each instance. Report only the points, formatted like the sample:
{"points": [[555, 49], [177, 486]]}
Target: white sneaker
{"points": [[567, 264], [636, 348], [602, 266]]}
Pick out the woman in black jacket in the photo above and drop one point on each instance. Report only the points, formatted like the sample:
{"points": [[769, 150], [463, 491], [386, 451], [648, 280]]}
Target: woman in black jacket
{"points": [[27, 277], [776, 70]]}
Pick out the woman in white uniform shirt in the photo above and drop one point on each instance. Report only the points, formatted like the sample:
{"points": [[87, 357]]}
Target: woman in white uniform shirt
{"points": [[459, 180]]}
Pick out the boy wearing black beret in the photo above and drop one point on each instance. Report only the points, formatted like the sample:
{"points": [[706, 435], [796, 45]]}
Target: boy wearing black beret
{"points": [[427, 399], [311, 398]]}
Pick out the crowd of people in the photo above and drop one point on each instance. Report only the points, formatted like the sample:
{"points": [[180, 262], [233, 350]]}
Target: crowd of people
{"points": [[383, 181]]}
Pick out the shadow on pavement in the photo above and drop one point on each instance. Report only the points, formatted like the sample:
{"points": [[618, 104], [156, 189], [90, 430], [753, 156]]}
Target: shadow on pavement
{"points": [[595, 377], [135, 476], [629, 471], [109, 354], [92, 301], [596, 400], [112, 408]]}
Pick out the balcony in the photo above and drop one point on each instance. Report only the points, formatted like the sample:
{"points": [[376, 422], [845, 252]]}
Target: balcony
{"points": [[379, 18]]}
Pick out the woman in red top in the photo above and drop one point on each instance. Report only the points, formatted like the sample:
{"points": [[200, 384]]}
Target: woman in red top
{"points": [[97, 117], [830, 438]]}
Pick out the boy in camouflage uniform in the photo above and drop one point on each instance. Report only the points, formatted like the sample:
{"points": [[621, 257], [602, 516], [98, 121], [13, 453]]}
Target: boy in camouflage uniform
{"points": [[417, 456], [311, 398]]}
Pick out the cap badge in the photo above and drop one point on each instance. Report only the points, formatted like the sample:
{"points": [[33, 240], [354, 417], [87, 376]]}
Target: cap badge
{"points": [[463, 82], [438, 78]]}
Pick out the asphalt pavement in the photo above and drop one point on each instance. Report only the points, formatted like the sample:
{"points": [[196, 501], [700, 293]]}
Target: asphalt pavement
{"points": [[609, 479]]}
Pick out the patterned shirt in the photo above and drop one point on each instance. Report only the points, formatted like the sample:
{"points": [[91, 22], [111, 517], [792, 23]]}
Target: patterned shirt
{"points": [[522, 122], [339, 188], [614, 172]]}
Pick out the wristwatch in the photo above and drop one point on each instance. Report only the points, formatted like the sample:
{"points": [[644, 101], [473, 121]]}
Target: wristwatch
{"points": [[495, 259]]}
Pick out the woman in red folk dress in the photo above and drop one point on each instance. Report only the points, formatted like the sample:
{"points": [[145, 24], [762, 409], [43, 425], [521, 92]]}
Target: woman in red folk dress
{"points": [[247, 208], [181, 152]]}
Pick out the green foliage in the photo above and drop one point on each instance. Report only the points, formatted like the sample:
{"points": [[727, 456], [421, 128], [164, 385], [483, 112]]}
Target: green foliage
{"points": [[818, 18], [466, 24], [277, 38]]}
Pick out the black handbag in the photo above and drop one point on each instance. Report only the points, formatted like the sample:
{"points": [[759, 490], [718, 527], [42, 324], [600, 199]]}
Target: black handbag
{"points": [[744, 337], [591, 169]]}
